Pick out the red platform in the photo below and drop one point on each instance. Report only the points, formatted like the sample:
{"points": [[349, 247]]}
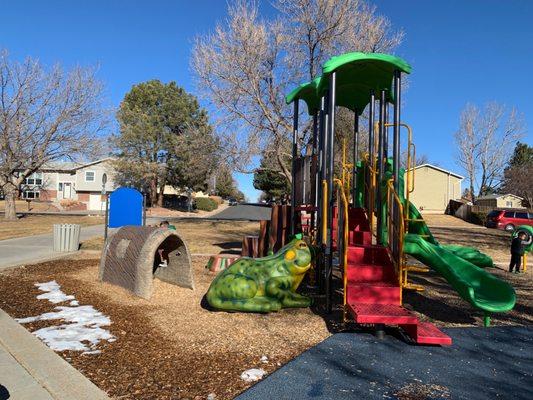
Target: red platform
{"points": [[373, 291]]}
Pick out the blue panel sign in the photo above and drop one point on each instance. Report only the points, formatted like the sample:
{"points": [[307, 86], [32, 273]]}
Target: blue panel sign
{"points": [[125, 208]]}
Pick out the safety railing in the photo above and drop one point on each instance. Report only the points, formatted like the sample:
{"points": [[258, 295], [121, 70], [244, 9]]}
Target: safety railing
{"points": [[342, 203], [396, 232]]}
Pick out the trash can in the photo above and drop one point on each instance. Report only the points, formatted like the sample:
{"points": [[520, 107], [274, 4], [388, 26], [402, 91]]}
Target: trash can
{"points": [[66, 237]]}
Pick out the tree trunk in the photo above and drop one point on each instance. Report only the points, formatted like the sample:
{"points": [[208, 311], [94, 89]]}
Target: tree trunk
{"points": [[10, 196], [153, 192], [160, 195]]}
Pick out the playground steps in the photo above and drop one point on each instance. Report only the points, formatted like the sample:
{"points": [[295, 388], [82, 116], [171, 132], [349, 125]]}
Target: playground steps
{"points": [[373, 294], [426, 333], [382, 314]]}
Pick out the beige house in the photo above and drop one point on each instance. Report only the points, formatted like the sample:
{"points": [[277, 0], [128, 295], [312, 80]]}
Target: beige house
{"points": [[70, 181], [434, 188], [500, 201]]}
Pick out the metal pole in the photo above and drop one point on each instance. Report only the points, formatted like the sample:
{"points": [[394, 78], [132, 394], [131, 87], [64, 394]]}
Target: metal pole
{"points": [[106, 220], [315, 161], [331, 162], [293, 173], [321, 141], [381, 165], [371, 112], [396, 156], [396, 131], [355, 151]]}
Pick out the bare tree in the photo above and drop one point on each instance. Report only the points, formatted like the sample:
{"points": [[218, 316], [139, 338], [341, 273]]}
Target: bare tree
{"points": [[519, 181], [247, 66], [45, 115], [484, 144]]}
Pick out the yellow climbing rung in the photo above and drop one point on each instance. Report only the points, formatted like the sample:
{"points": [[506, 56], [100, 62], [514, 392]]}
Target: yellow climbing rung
{"points": [[416, 268], [412, 286]]}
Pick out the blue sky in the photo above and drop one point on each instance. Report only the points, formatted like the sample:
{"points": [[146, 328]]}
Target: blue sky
{"points": [[461, 51]]}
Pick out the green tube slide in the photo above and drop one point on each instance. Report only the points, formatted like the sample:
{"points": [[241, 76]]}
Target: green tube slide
{"points": [[480, 288], [461, 266]]}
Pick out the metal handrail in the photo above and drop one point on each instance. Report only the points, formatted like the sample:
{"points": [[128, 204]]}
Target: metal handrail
{"points": [[399, 230], [340, 185]]}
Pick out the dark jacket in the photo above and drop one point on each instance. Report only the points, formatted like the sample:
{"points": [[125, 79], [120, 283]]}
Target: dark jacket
{"points": [[517, 246]]}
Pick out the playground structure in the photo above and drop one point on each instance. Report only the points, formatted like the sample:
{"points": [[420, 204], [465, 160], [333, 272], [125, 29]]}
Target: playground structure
{"points": [[363, 214], [131, 259]]}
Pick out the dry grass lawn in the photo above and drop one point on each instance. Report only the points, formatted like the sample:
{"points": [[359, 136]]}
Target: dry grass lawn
{"points": [[22, 205], [202, 237], [37, 224]]}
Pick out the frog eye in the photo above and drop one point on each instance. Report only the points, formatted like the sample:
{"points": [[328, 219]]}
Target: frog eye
{"points": [[302, 245], [290, 255]]}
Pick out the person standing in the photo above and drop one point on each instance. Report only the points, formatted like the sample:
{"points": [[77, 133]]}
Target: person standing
{"points": [[517, 251]]}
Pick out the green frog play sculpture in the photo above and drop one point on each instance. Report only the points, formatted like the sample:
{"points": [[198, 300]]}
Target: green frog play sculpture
{"points": [[263, 284]]}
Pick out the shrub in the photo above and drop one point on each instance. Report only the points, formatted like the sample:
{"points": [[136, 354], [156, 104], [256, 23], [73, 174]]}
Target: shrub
{"points": [[205, 204], [478, 217], [219, 200]]}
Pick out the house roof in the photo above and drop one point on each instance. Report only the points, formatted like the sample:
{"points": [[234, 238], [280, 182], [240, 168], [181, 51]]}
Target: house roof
{"points": [[440, 169], [497, 196], [69, 166]]}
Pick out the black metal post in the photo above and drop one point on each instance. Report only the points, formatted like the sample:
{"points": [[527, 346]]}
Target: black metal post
{"points": [[331, 163], [355, 151], [381, 165], [321, 164], [314, 160], [293, 173], [371, 112], [396, 156], [106, 220], [322, 119], [396, 131]]}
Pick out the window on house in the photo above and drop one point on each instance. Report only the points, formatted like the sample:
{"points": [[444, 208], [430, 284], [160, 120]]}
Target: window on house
{"points": [[30, 194], [34, 179], [508, 204], [60, 186], [89, 176]]}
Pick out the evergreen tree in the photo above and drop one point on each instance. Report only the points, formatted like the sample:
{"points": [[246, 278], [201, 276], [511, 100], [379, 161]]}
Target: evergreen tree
{"points": [[164, 139]]}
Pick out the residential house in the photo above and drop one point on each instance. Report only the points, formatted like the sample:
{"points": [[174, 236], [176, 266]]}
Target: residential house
{"points": [[67, 180], [500, 201], [434, 187]]}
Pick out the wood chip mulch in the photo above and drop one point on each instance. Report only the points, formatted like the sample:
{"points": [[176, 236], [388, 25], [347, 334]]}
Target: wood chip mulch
{"points": [[169, 347]]}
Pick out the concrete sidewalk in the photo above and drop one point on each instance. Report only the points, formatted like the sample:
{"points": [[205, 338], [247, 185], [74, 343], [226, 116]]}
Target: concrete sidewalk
{"points": [[29, 370], [32, 249]]}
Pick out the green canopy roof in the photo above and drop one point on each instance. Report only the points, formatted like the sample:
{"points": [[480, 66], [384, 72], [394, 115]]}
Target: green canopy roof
{"points": [[357, 74], [308, 93]]}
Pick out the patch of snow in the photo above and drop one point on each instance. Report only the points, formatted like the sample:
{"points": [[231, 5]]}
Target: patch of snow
{"points": [[264, 359], [83, 326], [211, 396], [53, 292], [253, 374]]}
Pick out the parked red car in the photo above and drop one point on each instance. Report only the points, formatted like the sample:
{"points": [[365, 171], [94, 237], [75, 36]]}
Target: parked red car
{"points": [[508, 220]]}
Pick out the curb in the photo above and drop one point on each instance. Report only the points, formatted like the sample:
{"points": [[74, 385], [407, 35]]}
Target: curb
{"points": [[53, 373]]}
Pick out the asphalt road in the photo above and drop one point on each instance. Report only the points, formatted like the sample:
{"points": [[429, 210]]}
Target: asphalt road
{"points": [[247, 211], [482, 363]]}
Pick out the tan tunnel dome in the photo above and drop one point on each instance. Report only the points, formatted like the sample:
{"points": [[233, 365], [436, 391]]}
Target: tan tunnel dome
{"points": [[131, 259]]}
